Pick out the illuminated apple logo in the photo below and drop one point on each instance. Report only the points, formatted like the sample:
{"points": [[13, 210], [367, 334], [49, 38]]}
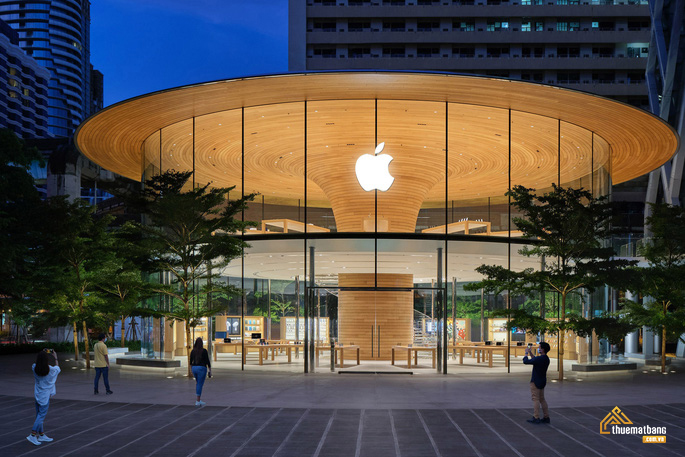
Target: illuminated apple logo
{"points": [[372, 170]]}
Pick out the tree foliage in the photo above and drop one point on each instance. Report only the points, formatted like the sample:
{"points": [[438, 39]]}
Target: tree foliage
{"points": [[187, 233], [568, 229], [662, 280]]}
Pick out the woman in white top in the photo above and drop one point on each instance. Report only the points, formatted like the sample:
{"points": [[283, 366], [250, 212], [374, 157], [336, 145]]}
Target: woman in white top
{"points": [[45, 376]]}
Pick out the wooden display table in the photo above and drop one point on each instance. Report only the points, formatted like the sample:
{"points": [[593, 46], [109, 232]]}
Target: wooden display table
{"points": [[461, 226], [516, 350], [415, 350], [234, 345], [338, 349], [263, 350], [486, 351]]}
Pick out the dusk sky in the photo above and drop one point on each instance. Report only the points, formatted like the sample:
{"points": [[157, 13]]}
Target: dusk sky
{"points": [[146, 45]]}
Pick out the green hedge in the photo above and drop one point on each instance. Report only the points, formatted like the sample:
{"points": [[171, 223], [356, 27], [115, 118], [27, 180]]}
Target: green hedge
{"points": [[66, 347]]}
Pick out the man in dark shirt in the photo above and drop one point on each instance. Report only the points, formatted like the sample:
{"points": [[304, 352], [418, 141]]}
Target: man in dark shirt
{"points": [[538, 381]]}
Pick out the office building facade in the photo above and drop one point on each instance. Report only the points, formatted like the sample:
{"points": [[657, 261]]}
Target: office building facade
{"points": [[24, 100], [56, 33], [598, 46]]}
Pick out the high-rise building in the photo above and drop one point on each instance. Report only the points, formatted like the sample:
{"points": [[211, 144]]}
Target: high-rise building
{"points": [[598, 46], [24, 86], [666, 84], [56, 33]]}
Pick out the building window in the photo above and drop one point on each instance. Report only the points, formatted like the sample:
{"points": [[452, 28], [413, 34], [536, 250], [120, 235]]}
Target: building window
{"points": [[325, 26], [463, 52], [498, 51], [539, 26], [572, 77], [603, 51], [394, 26], [12, 94], [574, 26], [427, 52], [568, 51], [464, 26], [532, 51], [536, 77], [393, 52], [325, 53], [354, 53], [605, 77], [525, 26], [497, 26], [358, 26], [427, 26], [562, 26], [13, 82]]}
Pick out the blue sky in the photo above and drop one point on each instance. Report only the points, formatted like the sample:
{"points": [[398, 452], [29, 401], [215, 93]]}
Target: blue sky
{"points": [[146, 45]]}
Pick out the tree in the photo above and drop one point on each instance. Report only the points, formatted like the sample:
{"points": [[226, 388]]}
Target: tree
{"points": [[18, 198], [68, 258], [662, 281], [124, 290], [187, 234], [568, 228]]}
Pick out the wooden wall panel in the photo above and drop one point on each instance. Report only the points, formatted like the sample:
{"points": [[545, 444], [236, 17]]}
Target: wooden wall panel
{"points": [[362, 312]]}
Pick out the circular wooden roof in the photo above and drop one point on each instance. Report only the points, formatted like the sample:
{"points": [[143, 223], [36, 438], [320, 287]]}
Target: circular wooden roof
{"points": [[412, 109]]}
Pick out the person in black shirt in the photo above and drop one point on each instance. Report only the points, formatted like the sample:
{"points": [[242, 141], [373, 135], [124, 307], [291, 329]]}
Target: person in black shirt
{"points": [[199, 361], [538, 381]]}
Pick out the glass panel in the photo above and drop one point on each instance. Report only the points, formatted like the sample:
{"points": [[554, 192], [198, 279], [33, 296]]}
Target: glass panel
{"points": [[274, 167], [601, 166], [414, 137], [576, 157], [218, 149], [339, 132], [469, 321], [151, 156], [177, 148], [478, 170], [534, 154], [273, 272]]}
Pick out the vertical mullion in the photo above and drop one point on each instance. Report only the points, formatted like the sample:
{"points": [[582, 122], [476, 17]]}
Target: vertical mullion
{"points": [[242, 263]]}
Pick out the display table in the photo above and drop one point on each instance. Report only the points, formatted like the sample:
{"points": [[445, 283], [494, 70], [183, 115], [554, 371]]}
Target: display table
{"points": [[263, 350], [338, 349], [482, 351], [217, 345], [516, 350], [415, 350]]}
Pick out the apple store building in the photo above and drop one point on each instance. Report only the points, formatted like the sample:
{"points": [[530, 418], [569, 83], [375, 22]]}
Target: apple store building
{"points": [[378, 196]]}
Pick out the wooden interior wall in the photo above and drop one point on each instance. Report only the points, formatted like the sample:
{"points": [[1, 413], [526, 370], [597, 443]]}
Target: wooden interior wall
{"points": [[361, 313]]}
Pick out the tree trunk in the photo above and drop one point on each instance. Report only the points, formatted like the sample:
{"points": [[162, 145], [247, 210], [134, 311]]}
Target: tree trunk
{"points": [[187, 324], [562, 338], [75, 342], [86, 343], [663, 349], [123, 330]]}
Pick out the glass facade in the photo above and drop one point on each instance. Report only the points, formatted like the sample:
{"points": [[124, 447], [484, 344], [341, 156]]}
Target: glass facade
{"points": [[337, 273]]}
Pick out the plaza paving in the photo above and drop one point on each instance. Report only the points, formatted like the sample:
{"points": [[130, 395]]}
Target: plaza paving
{"points": [[472, 412]]}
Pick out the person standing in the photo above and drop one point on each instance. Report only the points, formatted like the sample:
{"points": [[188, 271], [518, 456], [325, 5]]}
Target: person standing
{"points": [[538, 381], [101, 363], [45, 377], [199, 361]]}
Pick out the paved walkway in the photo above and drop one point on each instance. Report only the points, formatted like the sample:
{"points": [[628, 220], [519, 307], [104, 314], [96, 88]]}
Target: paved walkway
{"points": [[479, 413]]}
